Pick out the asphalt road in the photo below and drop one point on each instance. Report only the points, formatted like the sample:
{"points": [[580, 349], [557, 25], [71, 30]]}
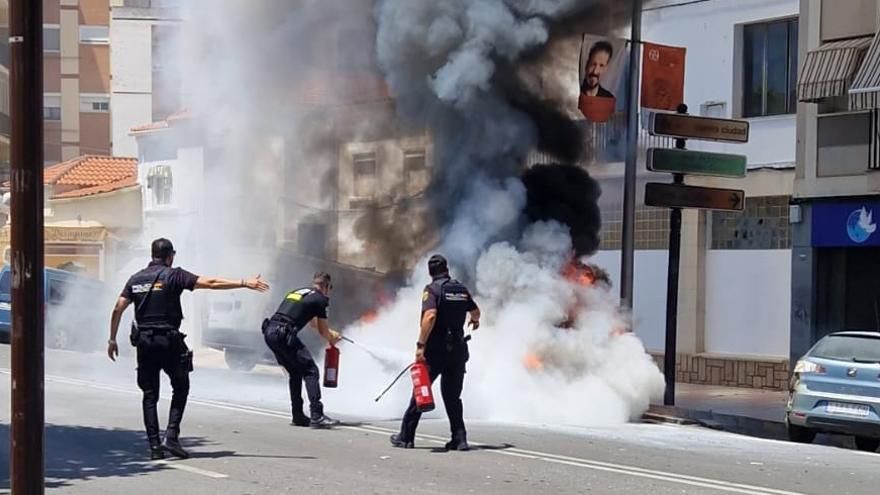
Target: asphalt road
{"points": [[242, 444]]}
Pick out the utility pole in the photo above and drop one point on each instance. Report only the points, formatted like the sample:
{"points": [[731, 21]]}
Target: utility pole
{"points": [[26, 212], [627, 257]]}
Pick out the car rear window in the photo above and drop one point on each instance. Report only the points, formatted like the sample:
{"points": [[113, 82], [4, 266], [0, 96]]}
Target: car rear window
{"points": [[848, 348], [6, 282]]}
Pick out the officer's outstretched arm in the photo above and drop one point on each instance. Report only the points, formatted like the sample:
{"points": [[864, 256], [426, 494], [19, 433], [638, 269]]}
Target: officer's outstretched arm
{"points": [[216, 283]]}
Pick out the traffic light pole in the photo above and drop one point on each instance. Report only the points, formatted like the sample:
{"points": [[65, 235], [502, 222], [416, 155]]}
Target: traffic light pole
{"points": [[26, 236]]}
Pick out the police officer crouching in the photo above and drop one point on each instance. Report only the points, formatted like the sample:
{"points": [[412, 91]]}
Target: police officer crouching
{"points": [[155, 292], [301, 307], [446, 303]]}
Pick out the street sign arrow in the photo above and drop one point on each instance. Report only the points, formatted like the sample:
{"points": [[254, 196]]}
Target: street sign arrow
{"points": [[691, 127], [677, 161], [682, 196]]}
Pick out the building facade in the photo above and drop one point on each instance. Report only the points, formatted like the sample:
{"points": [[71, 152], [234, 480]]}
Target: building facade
{"points": [[733, 323], [144, 87], [836, 255], [76, 67]]}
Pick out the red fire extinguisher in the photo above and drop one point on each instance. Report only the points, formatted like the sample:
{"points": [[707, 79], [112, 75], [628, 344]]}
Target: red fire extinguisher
{"points": [[331, 366], [422, 387]]}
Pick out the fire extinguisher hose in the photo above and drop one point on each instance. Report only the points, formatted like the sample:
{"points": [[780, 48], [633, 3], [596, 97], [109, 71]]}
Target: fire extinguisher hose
{"points": [[395, 381]]}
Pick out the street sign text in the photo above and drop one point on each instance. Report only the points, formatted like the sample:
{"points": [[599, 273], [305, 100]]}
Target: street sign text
{"points": [[690, 127], [696, 163], [682, 196]]}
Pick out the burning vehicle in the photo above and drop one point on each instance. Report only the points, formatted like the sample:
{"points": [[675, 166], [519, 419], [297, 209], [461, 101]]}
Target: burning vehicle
{"points": [[231, 321]]}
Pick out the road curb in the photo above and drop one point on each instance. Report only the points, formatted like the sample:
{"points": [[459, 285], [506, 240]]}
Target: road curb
{"points": [[743, 425]]}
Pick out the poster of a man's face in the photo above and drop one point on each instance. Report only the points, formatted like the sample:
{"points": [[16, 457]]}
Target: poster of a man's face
{"points": [[598, 59], [602, 65]]}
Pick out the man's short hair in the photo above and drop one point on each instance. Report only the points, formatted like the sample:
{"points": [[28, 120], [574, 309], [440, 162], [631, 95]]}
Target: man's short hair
{"points": [[437, 265], [162, 249], [322, 279], [601, 46]]}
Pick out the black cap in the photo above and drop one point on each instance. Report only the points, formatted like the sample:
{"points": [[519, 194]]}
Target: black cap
{"points": [[437, 265], [162, 249]]}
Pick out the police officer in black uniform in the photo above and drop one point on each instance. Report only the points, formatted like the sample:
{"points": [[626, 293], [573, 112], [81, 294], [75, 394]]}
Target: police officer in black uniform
{"points": [[301, 307], [446, 303], [155, 292]]}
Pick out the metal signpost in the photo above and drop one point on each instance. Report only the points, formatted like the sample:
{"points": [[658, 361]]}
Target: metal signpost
{"points": [[677, 195]]}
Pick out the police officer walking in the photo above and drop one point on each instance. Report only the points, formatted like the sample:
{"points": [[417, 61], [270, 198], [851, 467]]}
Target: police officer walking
{"points": [[155, 292], [301, 307], [446, 303]]}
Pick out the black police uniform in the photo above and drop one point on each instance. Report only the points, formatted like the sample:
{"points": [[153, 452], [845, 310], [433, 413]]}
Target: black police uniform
{"points": [[155, 291], [446, 353], [281, 331]]}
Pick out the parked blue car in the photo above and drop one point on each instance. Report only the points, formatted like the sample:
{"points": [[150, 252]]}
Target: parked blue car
{"points": [[75, 318], [836, 389]]}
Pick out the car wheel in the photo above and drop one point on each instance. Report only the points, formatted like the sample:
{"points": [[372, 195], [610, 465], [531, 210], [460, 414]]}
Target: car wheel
{"points": [[239, 360], [867, 444], [800, 434]]}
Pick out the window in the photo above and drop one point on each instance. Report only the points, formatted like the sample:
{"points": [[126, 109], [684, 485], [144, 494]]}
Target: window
{"points": [[365, 168], [159, 181], [52, 107], [415, 170], [51, 38], [94, 104], [57, 291], [770, 68], [94, 34]]}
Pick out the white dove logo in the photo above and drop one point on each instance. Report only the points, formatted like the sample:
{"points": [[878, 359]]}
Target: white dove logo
{"points": [[860, 225], [866, 222]]}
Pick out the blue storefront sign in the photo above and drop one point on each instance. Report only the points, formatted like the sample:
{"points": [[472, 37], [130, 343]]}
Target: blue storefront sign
{"points": [[845, 224]]}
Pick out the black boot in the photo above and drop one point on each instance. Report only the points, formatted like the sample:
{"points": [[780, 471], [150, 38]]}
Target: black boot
{"points": [[300, 421], [172, 445], [459, 442], [397, 441], [156, 452]]}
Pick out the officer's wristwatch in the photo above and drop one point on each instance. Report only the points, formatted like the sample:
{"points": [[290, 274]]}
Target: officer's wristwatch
{"points": [[420, 345]]}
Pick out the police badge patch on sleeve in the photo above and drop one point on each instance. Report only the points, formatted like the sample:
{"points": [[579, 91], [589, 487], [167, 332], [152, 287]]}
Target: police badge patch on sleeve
{"points": [[424, 296]]}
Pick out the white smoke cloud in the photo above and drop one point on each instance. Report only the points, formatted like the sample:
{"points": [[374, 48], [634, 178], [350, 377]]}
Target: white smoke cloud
{"points": [[590, 376]]}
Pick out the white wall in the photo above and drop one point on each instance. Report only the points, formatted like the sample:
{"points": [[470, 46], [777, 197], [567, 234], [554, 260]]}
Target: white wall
{"points": [[649, 292], [748, 302], [707, 30], [131, 84]]}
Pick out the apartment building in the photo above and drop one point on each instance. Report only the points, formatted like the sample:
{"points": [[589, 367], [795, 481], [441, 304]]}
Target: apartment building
{"points": [[76, 65], [836, 252], [144, 87]]}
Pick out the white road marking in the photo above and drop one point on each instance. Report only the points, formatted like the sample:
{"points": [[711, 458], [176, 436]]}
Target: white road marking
{"points": [[193, 470], [512, 452]]}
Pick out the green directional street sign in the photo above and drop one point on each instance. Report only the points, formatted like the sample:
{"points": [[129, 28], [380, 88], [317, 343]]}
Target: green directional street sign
{"points": [[677, 161], [682, 196]]}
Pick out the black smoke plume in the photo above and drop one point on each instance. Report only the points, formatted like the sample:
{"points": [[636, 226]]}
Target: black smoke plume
{"points": [[566, 194]]}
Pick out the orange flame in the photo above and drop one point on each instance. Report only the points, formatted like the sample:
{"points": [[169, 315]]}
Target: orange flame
{"points": [[532, 362], [579, 273]]}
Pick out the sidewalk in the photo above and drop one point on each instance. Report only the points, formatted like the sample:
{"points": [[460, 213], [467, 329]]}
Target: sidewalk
{"points": [[738, 410], [753, 412]]}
